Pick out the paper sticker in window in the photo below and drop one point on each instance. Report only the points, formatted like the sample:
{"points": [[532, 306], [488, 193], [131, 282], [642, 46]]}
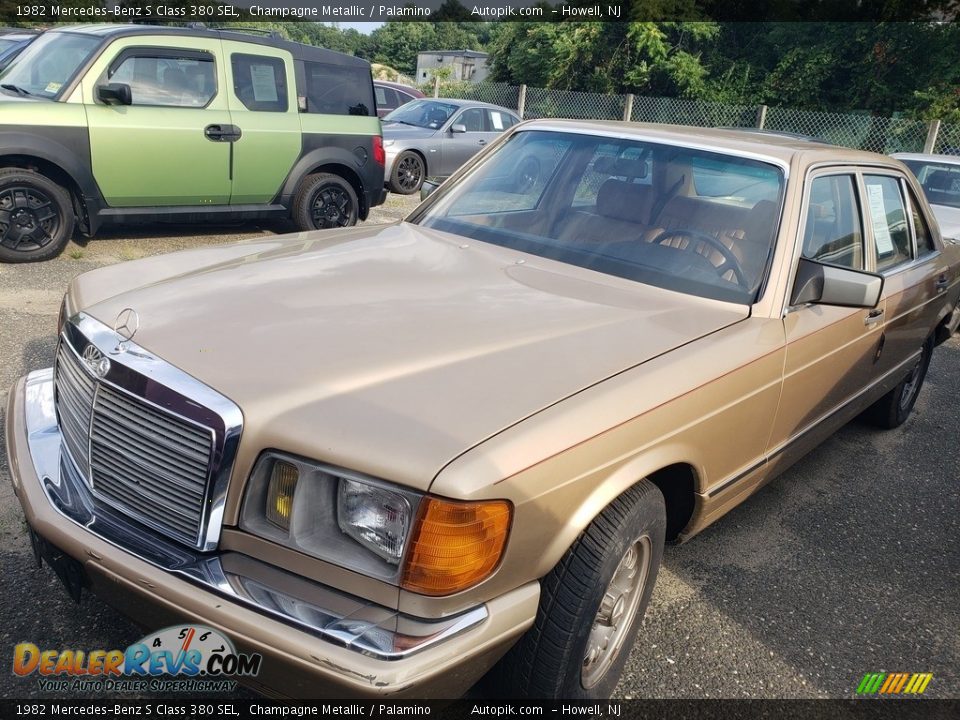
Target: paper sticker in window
{"points": [[878, 219], [497, 119], [264, 83]]}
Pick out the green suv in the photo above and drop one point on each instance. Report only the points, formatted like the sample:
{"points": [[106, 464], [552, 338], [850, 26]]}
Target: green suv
{"points": [[133, 123]]}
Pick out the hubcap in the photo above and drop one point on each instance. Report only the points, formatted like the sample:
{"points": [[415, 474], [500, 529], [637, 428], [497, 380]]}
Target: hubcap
{"points": [[332, 207], [409, 173], [617, 612], [911, 385], [28, 218]]}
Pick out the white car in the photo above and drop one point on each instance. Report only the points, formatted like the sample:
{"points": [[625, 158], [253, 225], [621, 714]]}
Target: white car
{"points": [[939, 175]]}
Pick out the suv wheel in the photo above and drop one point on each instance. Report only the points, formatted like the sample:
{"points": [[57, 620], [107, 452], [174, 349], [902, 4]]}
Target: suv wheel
{"points": [[591, 605], [408, 174], [325, 201], [893, 409], [36, 216]]}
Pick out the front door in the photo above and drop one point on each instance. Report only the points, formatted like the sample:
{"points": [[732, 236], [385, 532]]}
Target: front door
{"points": [[458, 147], [830, 350], [155, 151]]}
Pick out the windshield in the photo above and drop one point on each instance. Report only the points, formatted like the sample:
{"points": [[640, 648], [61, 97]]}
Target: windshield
{"points": [[48, 63], [422, 113], [6, 43], [688, 220], [940, 181]]}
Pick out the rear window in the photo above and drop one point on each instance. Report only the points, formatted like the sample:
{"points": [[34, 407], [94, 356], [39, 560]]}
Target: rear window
{"points": [[338, 90]]}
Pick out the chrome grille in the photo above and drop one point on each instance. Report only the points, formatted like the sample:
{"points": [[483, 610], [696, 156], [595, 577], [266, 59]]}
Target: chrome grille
{"points": [[74, 399], [150, 463]]}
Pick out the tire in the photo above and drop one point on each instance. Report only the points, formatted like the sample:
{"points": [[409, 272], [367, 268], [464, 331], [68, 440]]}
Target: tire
{"points": [[36, 216], [551, 660], [408, 173], [893, 409], [325, 201]]}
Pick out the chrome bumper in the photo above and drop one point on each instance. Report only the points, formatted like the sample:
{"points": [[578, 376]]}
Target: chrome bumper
{"points": [[373, 630]]}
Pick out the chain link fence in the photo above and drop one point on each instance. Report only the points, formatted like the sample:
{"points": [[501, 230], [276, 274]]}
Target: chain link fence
{"points": [[861, 131], [677, 111], [948, 140]]}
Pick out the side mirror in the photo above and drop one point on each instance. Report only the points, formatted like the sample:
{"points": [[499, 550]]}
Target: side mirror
{"points": [[427, 188], [831, 285], [458, 128], [115, 94]]}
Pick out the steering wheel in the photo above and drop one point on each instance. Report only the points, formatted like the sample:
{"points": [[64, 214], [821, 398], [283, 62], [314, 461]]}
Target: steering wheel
{"points": [[730, 261]]}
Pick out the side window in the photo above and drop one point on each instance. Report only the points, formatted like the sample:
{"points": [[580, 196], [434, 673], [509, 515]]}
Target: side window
{"points": [[884, 207], [166, 78], [260, 83], [499, 121], [339, 90], [472, 119], [920, 227], [403, 98], [833, 232]]}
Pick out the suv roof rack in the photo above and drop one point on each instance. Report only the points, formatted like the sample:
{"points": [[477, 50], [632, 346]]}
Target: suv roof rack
{"points": [[255, 31]]}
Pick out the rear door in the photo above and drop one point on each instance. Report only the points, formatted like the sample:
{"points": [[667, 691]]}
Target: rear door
{"points": [[154, 152], [904, 253], [264, 108]]}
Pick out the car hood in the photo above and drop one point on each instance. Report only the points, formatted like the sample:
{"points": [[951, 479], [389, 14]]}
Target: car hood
{"points": [[948, 218], [392, 349], [399, 131]]}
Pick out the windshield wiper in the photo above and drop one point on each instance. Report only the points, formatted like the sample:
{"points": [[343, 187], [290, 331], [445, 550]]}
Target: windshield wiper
{"points": [[18, 90], [404, 122]]}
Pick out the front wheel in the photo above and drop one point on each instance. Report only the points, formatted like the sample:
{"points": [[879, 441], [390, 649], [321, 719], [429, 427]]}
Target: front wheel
{"points": [[591, 604], [325, 201], [893, 409], [36, 216]]}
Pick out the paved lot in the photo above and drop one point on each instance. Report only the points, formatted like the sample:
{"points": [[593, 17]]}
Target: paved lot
{"points": [[845, 565]]}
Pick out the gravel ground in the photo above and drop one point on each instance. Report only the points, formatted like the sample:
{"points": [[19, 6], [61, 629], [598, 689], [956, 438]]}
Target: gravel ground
{"points": [[847, 564]]}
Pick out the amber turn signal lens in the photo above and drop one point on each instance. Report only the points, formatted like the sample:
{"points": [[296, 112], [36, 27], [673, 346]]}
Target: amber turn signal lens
{"points": [[455, 544], [283, 484]]}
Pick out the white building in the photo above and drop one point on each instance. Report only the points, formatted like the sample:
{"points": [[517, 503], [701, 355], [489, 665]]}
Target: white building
{"points": [[466, 65]]}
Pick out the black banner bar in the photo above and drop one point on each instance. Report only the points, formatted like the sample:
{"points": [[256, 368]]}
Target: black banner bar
{"points": [[378, 11], [880, 709]]}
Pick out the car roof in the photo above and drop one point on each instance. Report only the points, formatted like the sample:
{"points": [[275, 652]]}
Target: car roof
{"points": [[395, 85], [300, 51], [929, 157], [781, 148], [460, 102]]}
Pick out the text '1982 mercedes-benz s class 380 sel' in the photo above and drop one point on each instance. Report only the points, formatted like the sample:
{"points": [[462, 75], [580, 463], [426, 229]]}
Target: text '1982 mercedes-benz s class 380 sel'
{"points": [[393, 458]]}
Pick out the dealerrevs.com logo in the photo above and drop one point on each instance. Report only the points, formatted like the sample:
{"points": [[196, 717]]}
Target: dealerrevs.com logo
{"points": [[187, 658]]}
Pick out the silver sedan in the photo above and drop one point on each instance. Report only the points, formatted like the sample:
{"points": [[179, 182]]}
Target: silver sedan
{"points": [[939, 176], [432, 137]]}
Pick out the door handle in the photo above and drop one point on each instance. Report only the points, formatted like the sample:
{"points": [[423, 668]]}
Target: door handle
{"points": [[482, 142], [222, 133], [873, 317], [941, 284]]}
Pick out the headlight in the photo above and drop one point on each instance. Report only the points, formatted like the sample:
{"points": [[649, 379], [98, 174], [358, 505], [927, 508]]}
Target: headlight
{"points": [[389, 143], [425, 544], [377, 518]]}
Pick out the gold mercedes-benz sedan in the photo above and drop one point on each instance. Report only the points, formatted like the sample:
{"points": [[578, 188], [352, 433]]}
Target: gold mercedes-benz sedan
{"points": [[390, 459]]}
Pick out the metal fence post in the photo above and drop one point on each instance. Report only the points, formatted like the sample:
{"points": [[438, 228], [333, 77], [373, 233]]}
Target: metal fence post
{"points": [[436, 86], [628, 107], [521, 100], [932, 133], [761, 116]]}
